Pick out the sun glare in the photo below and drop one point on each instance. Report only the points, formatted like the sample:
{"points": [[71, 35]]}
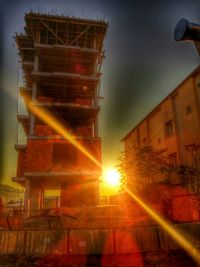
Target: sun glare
{"points": [[112, 177]]}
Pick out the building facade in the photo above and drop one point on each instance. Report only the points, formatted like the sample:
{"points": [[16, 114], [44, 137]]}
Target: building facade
{"points": [[172, 126], [61, 60]]}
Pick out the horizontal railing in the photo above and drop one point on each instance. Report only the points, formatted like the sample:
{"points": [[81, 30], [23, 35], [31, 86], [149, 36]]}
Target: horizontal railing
{"points": [[92, 241]]}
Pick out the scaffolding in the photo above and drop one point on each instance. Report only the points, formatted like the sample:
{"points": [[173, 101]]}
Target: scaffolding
{"points": [[61, 61]]}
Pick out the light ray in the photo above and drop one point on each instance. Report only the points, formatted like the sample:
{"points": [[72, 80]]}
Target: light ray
{"points": [[54, 123], [179, 237], [174, 232]]}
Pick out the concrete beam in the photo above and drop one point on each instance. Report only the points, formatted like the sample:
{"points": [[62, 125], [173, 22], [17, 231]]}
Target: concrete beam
{"points": [[65, 47], [62, 173], [20, 147], [37, 74]]}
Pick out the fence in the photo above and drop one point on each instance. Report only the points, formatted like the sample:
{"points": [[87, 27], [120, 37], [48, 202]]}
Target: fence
{"points": [[92, 241]]}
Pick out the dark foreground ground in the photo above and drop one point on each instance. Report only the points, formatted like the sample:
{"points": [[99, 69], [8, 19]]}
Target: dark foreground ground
{"points": [[164, 259]]}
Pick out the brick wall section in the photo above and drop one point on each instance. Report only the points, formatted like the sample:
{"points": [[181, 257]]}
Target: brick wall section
{"points": [[95, 149], [39, 155], [79, 194]]}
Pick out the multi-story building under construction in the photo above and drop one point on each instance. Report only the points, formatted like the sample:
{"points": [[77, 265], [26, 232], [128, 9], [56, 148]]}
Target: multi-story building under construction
{"points": [[61, 60]]}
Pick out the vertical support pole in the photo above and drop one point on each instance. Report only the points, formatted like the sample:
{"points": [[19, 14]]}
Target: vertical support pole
{"points": [[36, 62], [34, 96], [96, 130], [95, 67], [32, 123], [26, 196], [34, 91], [41, 198], [35, 68], [94, 43], [35, 198], [38, 36]]}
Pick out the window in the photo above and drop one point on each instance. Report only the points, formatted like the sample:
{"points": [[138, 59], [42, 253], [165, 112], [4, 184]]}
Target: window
{"points": [[168, 128], [188, 110]]}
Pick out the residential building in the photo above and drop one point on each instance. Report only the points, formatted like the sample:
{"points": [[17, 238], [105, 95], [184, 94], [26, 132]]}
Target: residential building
{"points": [[173, 127]]}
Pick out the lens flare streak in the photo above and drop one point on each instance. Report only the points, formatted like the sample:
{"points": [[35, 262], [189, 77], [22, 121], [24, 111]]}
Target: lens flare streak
{"points": [[175, 233], [53, 122], [179, 237]]}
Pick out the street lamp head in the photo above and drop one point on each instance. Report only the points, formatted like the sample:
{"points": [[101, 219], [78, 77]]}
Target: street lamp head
{"points": [[186, 31]]}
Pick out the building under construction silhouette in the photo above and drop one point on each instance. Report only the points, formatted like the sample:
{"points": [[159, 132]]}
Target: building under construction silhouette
{"points": [[61, 60]]}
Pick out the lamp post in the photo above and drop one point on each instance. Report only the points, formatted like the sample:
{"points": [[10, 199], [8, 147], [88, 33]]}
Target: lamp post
{"points": [[187, 31]]}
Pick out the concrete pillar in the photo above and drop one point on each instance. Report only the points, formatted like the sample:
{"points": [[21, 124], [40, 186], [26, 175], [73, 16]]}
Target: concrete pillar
{"points": [[35, 196], [35, 68], [95, 67], [34, 95], [36, 63], [32, 124], [34, 91], [37, 36], [41, 198], [96, 128], [26, 196], [94, 43]]}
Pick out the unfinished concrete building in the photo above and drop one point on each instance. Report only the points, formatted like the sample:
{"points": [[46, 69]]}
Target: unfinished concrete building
{"points": [[61, 60]]}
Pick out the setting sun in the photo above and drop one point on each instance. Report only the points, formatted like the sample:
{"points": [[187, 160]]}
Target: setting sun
{"points": [[112, 177]]}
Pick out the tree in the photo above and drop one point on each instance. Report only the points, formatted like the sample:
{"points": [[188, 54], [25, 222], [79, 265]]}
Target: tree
{"points": [[139, 167], [190, 174]]}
